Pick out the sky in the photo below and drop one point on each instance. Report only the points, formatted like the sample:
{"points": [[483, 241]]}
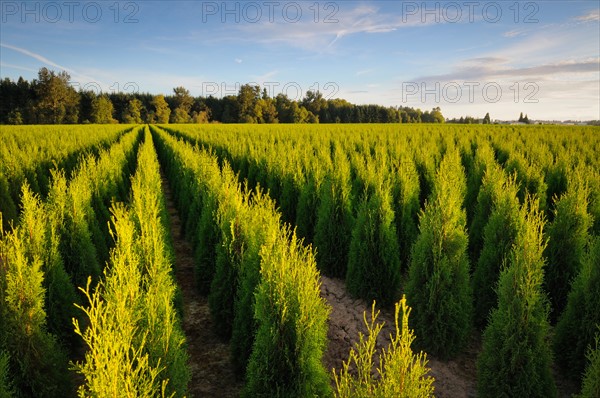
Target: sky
{"points": [[468, 57]]}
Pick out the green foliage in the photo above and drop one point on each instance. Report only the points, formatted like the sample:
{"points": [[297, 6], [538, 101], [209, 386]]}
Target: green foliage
{"points": [[530, 178], [134, 330], [38, 366], [516, 357], [400, 372], [229, 251], [577, 325], [70, 208], [205, 254], [498, 238], [438, 286], [132, 113], [116, 362], [57, 101], [567, 237], [292, 324], [6, 387], [8, 210], [102, 110], [374, 262], [161, 111], [258, 227], [165, 338], [591, 378], [406, 207], [333, 231], [480, 196], [306, 211]]}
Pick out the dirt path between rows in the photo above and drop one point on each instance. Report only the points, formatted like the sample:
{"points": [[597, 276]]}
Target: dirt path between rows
{"points": [[209, 357], [453, 379]]}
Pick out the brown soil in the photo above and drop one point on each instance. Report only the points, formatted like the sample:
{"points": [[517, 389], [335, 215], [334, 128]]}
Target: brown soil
{"points": [[209, 358], [453, 379]]}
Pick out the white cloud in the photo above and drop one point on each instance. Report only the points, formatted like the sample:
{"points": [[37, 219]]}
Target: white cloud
{"points": [[310, 34], [363, 72], [266, 77], [18, 67], [513, 33], [237, 61], [592, 16]]}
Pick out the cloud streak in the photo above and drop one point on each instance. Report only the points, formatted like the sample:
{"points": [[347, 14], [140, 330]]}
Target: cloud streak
{"points": [[493, 68], [44, 60]]}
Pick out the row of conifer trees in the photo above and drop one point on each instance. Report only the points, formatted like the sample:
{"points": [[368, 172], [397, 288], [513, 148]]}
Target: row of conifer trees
{"points": [[132, 329], [56, 246], [357, 202], [263, 289], [28, 153]]}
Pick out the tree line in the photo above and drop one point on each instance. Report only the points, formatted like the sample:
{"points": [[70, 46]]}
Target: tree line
{"points": [[51, 99]]}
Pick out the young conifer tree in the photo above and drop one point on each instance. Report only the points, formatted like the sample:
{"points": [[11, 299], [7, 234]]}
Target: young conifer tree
{"points": [[515, 359], [438, 286], [400, 372], [576, 328], [334, 218], [500, 233], [406, 207], [374, 263], [116, 362], [291, 315], [258, 227], [567, 238], [37, 365], [591, 377]]}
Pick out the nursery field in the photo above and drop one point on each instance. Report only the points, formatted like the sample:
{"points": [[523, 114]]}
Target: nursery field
{"points": [[324, 260]]}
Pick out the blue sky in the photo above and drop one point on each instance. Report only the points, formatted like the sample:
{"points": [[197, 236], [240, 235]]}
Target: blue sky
{"points": [[467, 57]]}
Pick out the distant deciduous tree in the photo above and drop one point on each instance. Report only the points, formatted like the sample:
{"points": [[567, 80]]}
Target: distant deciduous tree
{"points": [[102, 110], [161, 110], [133, 112], [57, 101]]}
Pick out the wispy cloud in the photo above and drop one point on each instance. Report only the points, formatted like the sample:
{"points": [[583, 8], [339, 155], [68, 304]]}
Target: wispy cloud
{"points": [[38, 57], [18, 67], [488, 69], [513, 33], [75, 75], [592, 16], [363, 72], [237, 61], [317, 36], [265, 77]]}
